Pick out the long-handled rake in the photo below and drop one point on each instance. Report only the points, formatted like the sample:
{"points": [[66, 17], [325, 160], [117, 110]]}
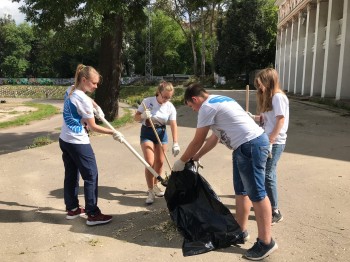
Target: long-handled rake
{"points": [[164, 182]]}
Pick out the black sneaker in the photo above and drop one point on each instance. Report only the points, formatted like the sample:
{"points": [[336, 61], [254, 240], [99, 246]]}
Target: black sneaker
{"points": [[243, 237], [98, 219], [276, 217], [260, 250]]}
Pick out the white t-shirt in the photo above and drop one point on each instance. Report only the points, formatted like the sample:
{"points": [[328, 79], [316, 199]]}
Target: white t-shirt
{"points": [[280, 107], [228, 120], [76, 107], [161, 113]]}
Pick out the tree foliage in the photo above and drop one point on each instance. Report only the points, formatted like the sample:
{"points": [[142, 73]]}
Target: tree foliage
{"points": [[246, 37], [235, 36], [15, 47], [102, 20], [167, 40]]}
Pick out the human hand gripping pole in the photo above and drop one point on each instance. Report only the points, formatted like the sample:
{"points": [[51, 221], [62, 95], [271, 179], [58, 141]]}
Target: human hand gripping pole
{"points": [[118, 136], [123, 141], [99, 113], [146, 114]]}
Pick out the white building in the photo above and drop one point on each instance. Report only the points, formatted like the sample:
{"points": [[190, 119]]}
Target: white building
{"points": [[313, 47]]}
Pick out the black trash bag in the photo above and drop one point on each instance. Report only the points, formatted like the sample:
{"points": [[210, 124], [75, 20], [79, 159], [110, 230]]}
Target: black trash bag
{"points": [[202, 219]]}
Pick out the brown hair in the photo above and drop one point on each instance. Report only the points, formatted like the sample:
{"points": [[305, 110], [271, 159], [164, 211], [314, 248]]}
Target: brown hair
{"points": [[194, 89], [268, 77], [80, 72]]}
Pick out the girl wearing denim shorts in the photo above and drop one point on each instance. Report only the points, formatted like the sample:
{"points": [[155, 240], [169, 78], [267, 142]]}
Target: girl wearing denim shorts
{"points": [[160, 111]]}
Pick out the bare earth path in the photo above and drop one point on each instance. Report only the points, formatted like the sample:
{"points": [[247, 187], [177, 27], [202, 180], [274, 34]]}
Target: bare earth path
{"points": [[314, 191]]}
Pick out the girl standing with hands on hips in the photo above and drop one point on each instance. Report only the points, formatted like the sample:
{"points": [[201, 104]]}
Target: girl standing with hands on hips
{"points": [[273, 109], [159, 110], [77, 154]]}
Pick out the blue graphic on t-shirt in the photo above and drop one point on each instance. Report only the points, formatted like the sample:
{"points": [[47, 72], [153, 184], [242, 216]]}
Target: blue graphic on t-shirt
{"points": [[220, 99], [71, 117]]}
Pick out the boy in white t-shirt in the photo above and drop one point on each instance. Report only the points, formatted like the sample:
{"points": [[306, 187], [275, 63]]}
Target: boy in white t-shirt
{"points": [[233, 127]]}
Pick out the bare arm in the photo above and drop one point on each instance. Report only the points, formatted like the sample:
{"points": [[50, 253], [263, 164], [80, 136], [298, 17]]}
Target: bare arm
{"points": [[276, 130], [195, 144], [211, 142], [173, 127]]}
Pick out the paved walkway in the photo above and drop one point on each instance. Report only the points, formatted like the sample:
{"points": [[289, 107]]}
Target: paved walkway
{"points": [[314, 190]]}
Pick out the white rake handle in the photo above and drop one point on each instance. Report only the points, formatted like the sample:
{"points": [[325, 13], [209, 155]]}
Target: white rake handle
{"points": [[149, 168]]}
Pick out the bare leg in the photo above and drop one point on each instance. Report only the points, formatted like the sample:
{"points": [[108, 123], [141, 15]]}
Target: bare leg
{"points": [[263, 216], [158, 160], [243, 205], [148, 152]]}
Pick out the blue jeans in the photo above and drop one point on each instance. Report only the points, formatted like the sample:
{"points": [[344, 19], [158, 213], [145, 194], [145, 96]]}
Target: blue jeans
{"points": [[80, 158], [271, 174], [249, 162]]}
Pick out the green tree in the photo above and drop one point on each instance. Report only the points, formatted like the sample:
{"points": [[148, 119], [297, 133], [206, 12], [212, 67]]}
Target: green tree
{"points": [[167, 45], [186, 14], [103, 20], [15, 46], [246, 37]]}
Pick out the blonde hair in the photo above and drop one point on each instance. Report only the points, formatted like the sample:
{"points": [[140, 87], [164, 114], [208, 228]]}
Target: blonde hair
{"points": [[80, 72], [268, 77], [164, 86]]}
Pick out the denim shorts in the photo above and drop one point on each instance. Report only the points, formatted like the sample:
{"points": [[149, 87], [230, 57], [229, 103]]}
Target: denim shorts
{"points": [[249, 162], [147, 134]]}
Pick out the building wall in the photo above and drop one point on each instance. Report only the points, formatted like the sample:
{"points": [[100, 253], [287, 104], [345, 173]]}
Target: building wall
{"points": [[313, 47]]}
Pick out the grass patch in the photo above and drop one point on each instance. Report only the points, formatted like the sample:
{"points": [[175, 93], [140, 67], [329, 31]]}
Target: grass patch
{"points": [[43, 111], [13, 112], [41, 141], [127, 117]]}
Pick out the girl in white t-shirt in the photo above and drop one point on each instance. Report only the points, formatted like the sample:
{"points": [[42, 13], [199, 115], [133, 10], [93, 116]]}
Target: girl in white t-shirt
{"points": [[273, 115], [77, 154], [161, 111]]}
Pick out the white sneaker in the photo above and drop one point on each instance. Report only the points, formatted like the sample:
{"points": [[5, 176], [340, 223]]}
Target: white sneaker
{"points": [[157, 191], [150, 197]]}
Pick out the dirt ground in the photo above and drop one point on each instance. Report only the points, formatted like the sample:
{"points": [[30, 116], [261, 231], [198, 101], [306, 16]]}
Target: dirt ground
{"points": [[12, 108], [314, 194]]}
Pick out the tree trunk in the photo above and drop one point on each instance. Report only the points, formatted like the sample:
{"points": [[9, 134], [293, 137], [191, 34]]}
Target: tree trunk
{"points": [[110, 67], [212, 42], [203, 45], [193, 46]]}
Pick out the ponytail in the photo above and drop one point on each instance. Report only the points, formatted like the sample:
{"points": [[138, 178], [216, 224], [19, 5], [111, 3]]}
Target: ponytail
{"points": [[82, 71]]}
